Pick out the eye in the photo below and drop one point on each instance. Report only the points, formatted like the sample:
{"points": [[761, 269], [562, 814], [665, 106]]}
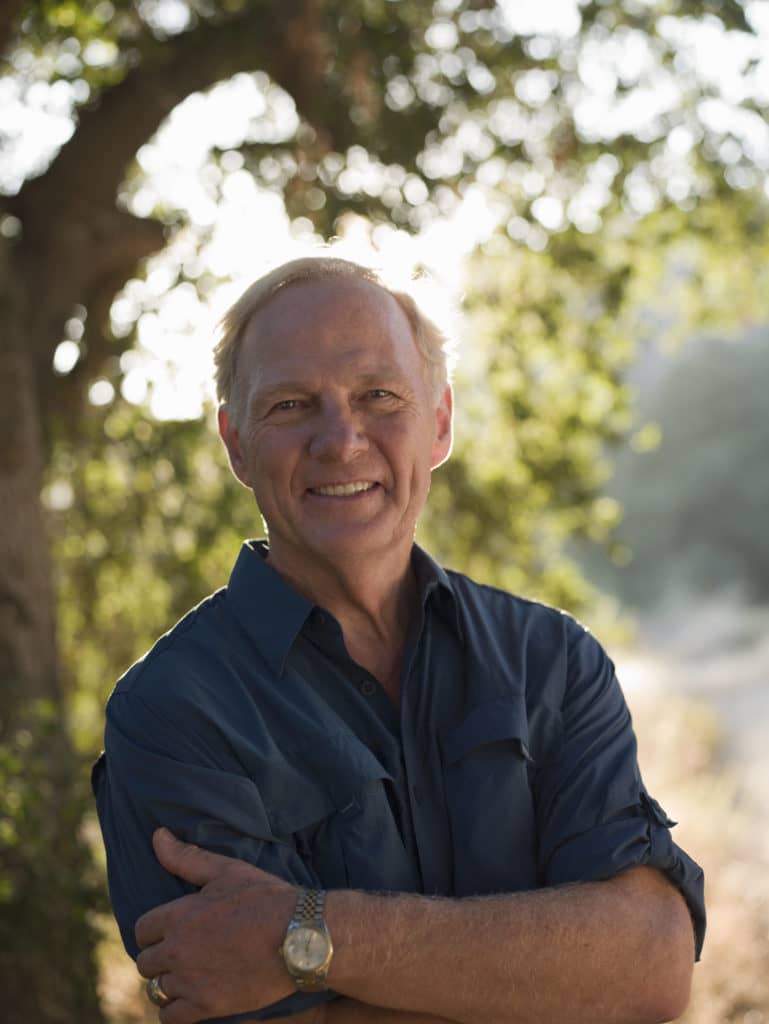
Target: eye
{"points": [[286, 405], [379, 393]]}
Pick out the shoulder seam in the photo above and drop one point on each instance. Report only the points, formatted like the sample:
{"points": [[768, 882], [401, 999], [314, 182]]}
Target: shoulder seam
{"points": [[168, 639], [508, 595]]}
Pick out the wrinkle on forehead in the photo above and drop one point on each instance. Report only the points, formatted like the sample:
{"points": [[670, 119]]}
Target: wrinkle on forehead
{"points": [[348, 297]]}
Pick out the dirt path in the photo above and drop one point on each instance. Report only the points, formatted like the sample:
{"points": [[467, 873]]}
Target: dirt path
{"points": [[718, 653], [716, 657]]}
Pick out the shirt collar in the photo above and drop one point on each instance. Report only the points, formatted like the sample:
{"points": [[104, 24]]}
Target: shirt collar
{"points": [[434, 583], [266, 606], [273, 613]]}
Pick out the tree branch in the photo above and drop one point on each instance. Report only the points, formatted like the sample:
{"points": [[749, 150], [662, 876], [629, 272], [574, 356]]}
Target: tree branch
{"points": [[76, 244], [282, 37]]}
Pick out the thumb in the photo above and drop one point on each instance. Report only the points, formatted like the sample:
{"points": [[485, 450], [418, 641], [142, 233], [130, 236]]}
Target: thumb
{"points": [[187, 861]]}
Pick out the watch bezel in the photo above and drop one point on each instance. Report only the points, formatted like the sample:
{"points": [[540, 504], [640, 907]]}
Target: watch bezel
{"points": [[293, 967]]}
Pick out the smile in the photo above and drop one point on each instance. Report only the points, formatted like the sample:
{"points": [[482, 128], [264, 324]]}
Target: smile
{"points": [[343, 490]]}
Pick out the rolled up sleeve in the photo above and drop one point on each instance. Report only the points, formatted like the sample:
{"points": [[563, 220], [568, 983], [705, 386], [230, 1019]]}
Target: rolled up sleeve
{"points": [[138, 788], [595, 817]]}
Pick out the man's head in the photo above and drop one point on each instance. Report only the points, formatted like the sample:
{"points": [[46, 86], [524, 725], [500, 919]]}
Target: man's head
{"points": [[431, 342], [339, 415]]}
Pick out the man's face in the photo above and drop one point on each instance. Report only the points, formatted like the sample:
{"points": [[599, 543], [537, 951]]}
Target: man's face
{"points": [[339, 429]]}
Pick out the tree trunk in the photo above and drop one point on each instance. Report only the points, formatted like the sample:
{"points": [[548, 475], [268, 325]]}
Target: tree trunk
{"points": [[27, 639], [47, 969]]}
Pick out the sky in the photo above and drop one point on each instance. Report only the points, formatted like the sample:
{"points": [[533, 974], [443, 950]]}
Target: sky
{"points": [[235, 231]]}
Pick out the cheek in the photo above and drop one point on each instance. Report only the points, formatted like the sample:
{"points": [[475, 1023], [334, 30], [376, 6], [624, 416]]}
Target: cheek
{"points": [[413, 455], [275, 450]]}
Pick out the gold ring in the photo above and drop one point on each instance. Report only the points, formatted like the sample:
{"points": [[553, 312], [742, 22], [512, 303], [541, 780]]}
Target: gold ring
{"points": [[155, 992]]}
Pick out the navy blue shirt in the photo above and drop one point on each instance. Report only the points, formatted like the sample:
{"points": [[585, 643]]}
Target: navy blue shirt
{"points": [[248, 729]]}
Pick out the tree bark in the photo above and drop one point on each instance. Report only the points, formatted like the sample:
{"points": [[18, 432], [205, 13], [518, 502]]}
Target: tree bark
{"points": [[28, 662], [47, 969]]}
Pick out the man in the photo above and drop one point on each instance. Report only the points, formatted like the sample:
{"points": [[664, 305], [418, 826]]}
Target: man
{"points": [[411, 798]]}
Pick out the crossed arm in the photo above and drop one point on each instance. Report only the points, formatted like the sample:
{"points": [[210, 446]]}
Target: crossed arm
{"points": [[616, 951]]}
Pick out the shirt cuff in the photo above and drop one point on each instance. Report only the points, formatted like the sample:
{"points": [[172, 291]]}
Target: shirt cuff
{"points": [[640, 838]]}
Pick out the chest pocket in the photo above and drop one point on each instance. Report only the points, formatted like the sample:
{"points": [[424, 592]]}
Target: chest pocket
{"points": [[487, 768], [338, 814]]}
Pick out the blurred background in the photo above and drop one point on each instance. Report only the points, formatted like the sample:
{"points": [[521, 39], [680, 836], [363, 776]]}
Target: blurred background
{"points": [[580, 189]]}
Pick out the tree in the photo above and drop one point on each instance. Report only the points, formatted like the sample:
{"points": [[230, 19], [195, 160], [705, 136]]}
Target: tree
{"points": [[400, 108]]}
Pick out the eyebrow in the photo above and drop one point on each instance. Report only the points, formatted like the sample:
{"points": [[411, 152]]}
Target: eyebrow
{"points": [[367, 379], [282, 385]]}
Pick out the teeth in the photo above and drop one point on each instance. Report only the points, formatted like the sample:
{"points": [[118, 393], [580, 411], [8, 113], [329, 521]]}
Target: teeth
{"points": [[340, 490]]}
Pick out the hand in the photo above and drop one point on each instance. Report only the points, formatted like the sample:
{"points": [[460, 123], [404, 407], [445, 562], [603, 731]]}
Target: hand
{"points": [[218, 949]]}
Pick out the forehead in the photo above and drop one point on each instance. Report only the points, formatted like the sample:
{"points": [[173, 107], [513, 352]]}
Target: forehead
{"points": [[324, 323]]}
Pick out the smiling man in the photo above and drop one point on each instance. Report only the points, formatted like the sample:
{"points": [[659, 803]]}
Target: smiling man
{"points": [[394, 796]]}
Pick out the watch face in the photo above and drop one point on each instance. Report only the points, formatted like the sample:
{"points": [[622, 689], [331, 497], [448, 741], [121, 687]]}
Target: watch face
{"points": [[306, 948]]}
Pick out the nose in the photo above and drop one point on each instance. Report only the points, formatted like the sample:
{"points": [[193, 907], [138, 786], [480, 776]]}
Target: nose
{"points": [[339, 436]]}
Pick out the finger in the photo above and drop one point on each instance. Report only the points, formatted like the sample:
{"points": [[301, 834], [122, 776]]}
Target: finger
{"points": [[181, 1012], [187, 861], [153, 926], [153, 960]]}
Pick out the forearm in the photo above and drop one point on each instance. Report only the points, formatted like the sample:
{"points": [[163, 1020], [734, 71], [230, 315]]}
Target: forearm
{"points": [[619, 951]]}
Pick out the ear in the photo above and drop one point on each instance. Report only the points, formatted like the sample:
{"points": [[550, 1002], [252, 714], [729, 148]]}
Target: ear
{"points": [[231, 438], [443, 435]]}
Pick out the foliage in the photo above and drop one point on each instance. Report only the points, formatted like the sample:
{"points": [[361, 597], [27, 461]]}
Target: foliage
{"points": [[436, 99], [49, 890], [142, 532], [539, 391]]}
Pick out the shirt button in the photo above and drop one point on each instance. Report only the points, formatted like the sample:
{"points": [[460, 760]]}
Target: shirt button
{"points": [[368, 688]]}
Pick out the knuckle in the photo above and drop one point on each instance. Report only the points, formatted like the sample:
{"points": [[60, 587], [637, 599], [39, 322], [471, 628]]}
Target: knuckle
{"points": [[171, 956], [189, 852]]}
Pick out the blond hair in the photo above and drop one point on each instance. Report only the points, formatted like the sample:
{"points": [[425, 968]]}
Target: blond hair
{"points": [[432, 343]]}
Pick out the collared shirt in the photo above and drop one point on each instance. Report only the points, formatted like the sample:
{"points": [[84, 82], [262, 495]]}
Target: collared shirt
{"points": [[248, 729]]}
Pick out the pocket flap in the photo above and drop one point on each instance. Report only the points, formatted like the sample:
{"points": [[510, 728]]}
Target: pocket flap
{"points": [[492, 722], [329, 780]]}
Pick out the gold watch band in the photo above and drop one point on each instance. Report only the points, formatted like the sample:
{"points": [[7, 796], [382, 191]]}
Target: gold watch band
{"points": [[310, 906]]}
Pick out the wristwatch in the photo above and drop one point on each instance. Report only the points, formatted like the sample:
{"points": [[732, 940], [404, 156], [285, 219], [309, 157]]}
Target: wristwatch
{"points": [[307, 948]]}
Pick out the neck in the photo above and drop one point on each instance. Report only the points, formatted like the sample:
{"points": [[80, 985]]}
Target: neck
{"points": [[372, 599], [372, 588]]}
